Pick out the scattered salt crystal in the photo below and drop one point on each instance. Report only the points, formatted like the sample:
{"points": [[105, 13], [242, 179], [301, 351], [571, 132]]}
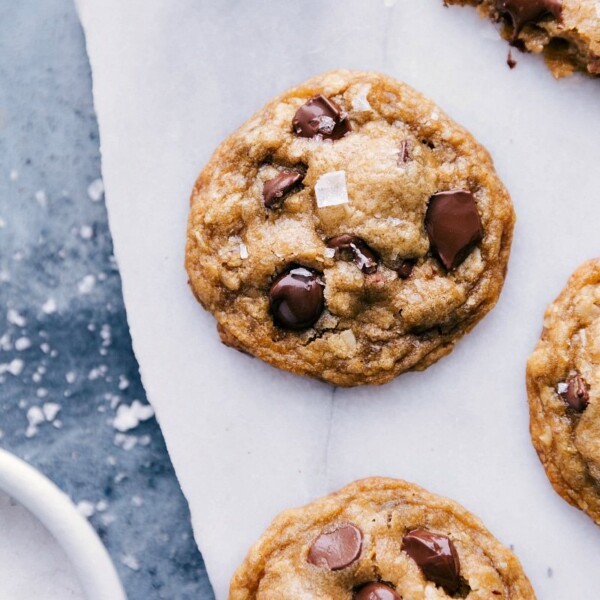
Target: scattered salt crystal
{"points": [[96, 190], [330, 189], [41, 392], [119, 476], [35, 417], [45, 347], [86, 232], [329, 252], [49, 306], [14, 367], [107, 519], [137, 501], [101, 505], [5, 343], [243, 251], [562, 387], [144, 440], [86, 508], [22, 344], [57, 423], [86, 285], [129, 417], [360, 103], [12, 316], [97, 372], [127, 442], [70, 376], [50, 410], [434, 116], [130, 561], [123, 382], [41, 198], [105, 334], [14, 175]]}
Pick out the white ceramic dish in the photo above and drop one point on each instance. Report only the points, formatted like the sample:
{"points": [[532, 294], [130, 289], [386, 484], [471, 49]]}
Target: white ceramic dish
{"points": [[76, 537]]}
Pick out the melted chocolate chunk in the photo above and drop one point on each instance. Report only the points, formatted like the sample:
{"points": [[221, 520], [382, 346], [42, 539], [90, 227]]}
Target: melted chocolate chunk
{"points": [[377, 591], [522, 12], [275, 189], [336, 548], [351, 247], [453, 226], [296, 298], [321, 118], [575, 392], [436, 556], [402, 266]]}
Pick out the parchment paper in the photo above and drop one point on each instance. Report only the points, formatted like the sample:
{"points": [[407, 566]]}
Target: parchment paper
{"points": [[171, 80]]}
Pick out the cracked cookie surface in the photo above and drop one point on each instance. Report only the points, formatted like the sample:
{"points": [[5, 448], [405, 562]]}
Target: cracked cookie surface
{"points": [[563, 385], [349, 231], [566, 32], [379, 539]]}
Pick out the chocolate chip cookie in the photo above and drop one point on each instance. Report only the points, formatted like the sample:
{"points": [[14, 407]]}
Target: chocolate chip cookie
{"points": [[380, 539], [567, 32], [563, 384], [350, 231]]}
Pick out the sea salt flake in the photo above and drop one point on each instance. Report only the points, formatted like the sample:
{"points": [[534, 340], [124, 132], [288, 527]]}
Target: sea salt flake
{"points": [[14, 317], [329, 252], [22, 343], [562, 387], [96, 190], [243, 251], [86, 232], [137, 501], [330, 189], [51, 410], [360, 103], [86, 285], [127, 442], [49, 307], [129, 417], [101, 505], [348, 338], [130, 561], [41, 198], [86, 508], [70, 376], [14, 367], [123, 382]]}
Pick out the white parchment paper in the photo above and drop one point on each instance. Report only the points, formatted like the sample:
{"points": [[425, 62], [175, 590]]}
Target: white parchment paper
{"points": [[171, 79]]}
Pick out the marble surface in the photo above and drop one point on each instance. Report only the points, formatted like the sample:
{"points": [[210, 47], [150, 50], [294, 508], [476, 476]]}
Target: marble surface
{"points": [[66, 362]]}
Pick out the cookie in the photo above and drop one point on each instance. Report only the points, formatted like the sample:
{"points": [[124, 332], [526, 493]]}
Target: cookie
{"points": [[563, 385], [567, 32], [379, 539], [350, 231]]}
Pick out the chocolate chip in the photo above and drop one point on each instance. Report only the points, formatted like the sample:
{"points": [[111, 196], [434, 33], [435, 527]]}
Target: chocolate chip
{"points": [[322, 118], [403, 153], [275, 189], [403, 267], [522, 12], [351, 247], [575, 392], [336, 548], [453, 226], [296, 298], [436, 556], [377, 591]]}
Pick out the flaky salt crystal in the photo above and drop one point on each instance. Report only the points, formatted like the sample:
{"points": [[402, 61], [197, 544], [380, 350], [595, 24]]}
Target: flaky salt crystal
{"points": [[360, 103], [330, 189]]}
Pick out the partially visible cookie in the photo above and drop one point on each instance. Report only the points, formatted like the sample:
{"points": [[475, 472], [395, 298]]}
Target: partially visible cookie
{"points": [[563, 384], [379, 539], [567, 32], [350, 231]]}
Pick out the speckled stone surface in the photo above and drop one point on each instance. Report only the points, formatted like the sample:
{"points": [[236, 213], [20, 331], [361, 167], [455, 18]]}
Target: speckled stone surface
{"points": [[66, 362]]}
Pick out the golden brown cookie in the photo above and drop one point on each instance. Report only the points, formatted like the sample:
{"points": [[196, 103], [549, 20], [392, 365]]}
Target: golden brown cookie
{"points": [[567, 32], [350, 231], [379, 539], [563, 384]]}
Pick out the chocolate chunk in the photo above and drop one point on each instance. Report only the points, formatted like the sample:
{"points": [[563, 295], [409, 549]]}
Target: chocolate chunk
{"points": [[377, 591], [275, 189], [453, 226], [522, 12], [575, 392], [336, 548], [404, 267], [510, 61], [403, 153], [351, 247], [296, 298], [436, 556], [322, 118]]}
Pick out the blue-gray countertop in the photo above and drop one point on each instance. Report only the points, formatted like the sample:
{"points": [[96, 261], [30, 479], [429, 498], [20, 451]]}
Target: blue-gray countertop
{"points": [[66, 361]]}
